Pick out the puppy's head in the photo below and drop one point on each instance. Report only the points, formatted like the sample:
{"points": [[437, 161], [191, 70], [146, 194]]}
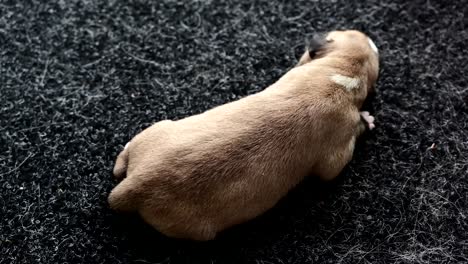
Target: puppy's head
{"points": [[348, 44]]}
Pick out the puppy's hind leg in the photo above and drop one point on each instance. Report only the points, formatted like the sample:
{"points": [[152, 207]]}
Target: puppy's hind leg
{"points": [[196, 232], [177, 220], [332, 164], [125, 197], [120, 168]]}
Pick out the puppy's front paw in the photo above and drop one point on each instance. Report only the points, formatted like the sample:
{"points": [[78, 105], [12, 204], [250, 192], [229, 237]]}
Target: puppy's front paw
{"points": [[368, 119]]}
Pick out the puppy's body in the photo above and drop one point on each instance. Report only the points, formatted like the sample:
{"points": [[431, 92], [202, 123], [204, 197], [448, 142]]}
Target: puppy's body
{"points": [[197, 176]]}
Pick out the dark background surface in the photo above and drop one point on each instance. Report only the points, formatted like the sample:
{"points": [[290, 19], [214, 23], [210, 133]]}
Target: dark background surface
{"points": [[79, 78]]}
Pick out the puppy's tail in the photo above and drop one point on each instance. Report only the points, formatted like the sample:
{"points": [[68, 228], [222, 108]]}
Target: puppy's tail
{"points": [[120, 168], [125, 197]]}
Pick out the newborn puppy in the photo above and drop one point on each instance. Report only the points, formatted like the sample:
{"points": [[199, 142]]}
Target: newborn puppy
{"points": [[197, 176]]}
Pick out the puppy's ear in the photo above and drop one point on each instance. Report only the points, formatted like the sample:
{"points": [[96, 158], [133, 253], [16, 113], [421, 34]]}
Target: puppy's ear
{"points": [[314, 46]]}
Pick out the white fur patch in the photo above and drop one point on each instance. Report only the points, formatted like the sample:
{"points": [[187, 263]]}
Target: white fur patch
{"points": [[349, 83], [373, 46], [126, 145]]}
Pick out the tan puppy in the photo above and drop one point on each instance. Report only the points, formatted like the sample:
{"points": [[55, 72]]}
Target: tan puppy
{"points": [[195, 177]]}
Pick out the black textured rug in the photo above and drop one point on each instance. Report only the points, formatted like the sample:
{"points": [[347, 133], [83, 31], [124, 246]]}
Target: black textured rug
{"points": [[79, 78]]}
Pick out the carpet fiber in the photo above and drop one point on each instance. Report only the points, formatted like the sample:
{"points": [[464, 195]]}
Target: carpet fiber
{"points": [[79, 78]]}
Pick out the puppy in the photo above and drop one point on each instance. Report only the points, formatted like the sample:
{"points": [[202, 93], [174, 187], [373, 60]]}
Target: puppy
{"points": [[197, 176]]}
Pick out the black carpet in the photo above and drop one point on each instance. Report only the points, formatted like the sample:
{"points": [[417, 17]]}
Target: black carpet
{"points": [[79, 78]]}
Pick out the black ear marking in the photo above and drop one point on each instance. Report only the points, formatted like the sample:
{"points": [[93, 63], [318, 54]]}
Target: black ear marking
{"points": [[316, 44]]}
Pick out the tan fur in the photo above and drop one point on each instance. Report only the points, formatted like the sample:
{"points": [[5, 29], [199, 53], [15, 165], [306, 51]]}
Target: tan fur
{"points": [[195, 177]]}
